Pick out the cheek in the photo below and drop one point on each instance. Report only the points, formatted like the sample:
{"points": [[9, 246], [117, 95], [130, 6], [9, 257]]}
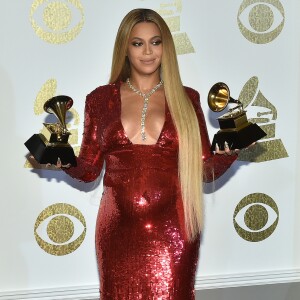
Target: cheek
{"points": [[159, 51], [132, 53]]}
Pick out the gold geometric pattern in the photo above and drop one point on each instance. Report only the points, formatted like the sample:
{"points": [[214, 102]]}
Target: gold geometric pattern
{"points": [[171, 11], [47, 91], [267, 148]]}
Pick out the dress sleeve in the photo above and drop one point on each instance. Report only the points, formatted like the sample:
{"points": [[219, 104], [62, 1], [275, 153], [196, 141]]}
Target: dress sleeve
{"points": [[214, 165], [90, 159]]}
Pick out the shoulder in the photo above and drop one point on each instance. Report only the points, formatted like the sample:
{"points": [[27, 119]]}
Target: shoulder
{"points": [[193, 95], [104, 90], [102, 95]]}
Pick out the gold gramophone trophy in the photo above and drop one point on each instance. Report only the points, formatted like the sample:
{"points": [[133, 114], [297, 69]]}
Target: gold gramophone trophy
{"points": [[52, 142], [235, 129]]}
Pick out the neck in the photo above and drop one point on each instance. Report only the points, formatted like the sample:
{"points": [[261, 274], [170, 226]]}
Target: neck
{"points": [[144, 83]]}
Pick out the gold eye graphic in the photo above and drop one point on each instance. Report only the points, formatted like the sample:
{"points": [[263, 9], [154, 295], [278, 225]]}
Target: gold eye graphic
{"points": [[57, 22], [63, 220], [261, 21], [256, 217]]}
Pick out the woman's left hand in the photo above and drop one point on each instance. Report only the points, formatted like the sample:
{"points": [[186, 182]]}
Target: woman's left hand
{"points": [[226, 151]]}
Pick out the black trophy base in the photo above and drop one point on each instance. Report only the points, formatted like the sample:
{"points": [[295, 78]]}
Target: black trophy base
{"points": [[45, 154], [238, 139]]}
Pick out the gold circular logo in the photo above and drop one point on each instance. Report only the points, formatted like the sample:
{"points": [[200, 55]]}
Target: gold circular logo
{"points": [[261, 12], [260, 16], [60, 229], [256, 212], [52, 21], [57, 16], [256, 217]]}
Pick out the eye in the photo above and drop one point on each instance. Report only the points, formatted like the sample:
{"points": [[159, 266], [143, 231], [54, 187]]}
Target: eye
{"points": [[137, 44], [57, 22], [256, 217], [157, 42], [60, 225], [261, 22]]}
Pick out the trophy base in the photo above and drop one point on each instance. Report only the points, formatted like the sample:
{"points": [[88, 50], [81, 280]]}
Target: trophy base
{"points": [[238, 139], [50, 153]]}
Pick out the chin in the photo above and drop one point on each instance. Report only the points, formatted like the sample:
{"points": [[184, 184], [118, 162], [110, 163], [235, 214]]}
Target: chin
{"points": [[148, 70]]}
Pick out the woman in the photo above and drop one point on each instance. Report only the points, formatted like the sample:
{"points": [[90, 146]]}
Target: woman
{"points": [[151, 133]]}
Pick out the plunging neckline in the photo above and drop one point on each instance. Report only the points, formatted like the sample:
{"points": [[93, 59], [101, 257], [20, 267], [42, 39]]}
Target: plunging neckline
{"points": [[123, 129]]}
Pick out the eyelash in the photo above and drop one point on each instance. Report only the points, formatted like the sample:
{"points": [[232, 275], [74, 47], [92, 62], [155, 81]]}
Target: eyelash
{"points": [[155, 43]]}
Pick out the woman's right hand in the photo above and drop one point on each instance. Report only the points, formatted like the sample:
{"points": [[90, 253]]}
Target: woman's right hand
{"points": [[49, 166], [59, 165]]}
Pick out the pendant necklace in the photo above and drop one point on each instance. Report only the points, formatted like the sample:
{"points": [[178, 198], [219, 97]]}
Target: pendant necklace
{"points": [[145, 106]]}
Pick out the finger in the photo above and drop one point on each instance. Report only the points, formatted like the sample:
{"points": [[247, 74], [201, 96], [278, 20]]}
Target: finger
{"points": [[227, 149], [58, 163], [217, 149], [66, 166], [251, 145], [48, 165]]}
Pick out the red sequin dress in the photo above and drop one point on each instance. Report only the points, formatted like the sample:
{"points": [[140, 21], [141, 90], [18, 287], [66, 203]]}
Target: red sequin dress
{"points": [[141, 248]]}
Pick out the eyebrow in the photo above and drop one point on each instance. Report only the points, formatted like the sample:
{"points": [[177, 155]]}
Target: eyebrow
{"points": [[138, 38]]}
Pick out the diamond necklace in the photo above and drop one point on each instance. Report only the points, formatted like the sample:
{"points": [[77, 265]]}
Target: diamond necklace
{"points": [[145, 106]]}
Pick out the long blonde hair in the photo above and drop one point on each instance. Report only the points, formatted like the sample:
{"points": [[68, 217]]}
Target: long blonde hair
{"points": [[181, 109]]}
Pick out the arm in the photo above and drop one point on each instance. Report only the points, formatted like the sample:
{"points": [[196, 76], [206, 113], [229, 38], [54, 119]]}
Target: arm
{"points": [[214, 165], [90, 159]]}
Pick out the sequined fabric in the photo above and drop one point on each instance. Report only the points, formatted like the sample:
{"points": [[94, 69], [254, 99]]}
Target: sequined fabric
{"points": [[141, 248]]}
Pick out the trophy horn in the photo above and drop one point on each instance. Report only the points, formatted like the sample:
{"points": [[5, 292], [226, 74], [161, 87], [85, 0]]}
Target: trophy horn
{"points": [[219, 97], [58, 106], [52, 141]]}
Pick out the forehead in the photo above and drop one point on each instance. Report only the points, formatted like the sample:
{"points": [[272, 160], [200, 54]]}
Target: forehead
{"points": [[145, 30]]}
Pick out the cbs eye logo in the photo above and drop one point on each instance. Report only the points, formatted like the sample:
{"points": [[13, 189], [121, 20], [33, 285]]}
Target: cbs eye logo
{"points": [[57, 22], [58, 234], [256, 217], [261, 21]]}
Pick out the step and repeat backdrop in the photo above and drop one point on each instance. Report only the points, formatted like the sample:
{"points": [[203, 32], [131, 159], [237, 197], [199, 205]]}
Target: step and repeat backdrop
{"points": [[64, 47]]}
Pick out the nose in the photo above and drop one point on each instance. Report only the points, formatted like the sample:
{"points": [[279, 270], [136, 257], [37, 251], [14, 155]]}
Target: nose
{"points": [[148, 49]]}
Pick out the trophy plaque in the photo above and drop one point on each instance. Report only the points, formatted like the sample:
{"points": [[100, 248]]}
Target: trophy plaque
{"points": [[52, 142], [235, 129]]}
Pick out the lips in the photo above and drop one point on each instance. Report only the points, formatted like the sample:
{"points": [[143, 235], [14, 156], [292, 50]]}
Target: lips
{"points": [[148, 62]]}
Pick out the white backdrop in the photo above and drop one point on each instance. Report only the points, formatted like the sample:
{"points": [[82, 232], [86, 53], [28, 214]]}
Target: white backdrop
{"points": [[64, 47]]}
